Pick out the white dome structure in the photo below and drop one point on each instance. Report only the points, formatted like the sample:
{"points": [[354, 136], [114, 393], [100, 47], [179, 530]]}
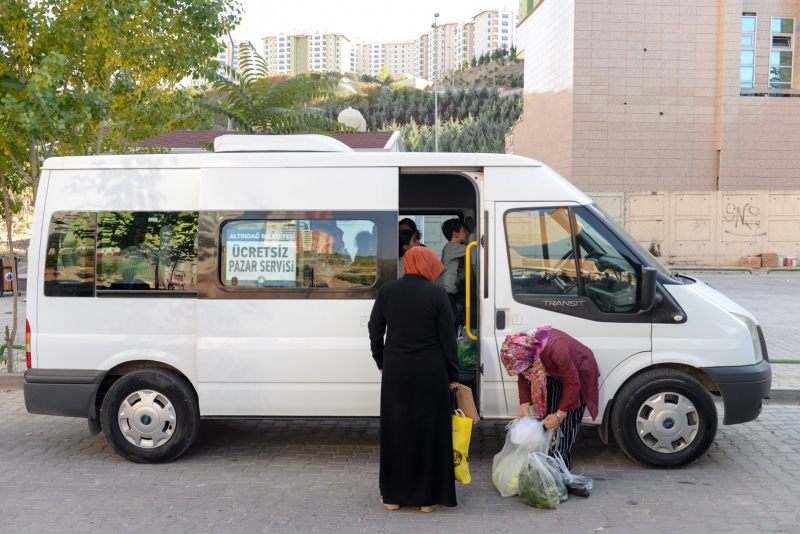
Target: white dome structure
{"points": [[352, 118]]}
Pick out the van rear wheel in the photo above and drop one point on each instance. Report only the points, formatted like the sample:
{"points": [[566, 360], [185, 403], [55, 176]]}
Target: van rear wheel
{"points": [[664, 418], [151, 416]]}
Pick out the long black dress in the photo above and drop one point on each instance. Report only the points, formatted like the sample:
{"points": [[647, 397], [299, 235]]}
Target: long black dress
{"points": [[419, 360]]}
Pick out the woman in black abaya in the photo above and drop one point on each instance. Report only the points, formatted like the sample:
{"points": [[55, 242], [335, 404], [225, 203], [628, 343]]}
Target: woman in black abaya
{"points": [[419, 364]]}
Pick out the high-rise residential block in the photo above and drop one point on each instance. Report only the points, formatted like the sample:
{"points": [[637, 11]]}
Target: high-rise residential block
{"points": [[494, 29], [465, 43], [421, 55], [399, 58], [442, 50], [307, 52]]}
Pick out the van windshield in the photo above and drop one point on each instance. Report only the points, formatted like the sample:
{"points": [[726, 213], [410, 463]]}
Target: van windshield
{"points": [[631, 241]]}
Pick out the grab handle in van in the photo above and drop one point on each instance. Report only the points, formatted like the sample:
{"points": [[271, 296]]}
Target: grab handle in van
{"points": [[468, 261]]}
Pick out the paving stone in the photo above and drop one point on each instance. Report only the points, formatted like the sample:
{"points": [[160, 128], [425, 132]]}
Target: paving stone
{"points": [[744, 484]]}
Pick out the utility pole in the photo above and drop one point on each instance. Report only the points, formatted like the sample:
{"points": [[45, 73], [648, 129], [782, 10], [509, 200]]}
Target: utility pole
{"points": [[435, 92], [436, 115]]}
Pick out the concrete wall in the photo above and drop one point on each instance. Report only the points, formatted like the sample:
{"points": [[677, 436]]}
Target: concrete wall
{"points": [[645, 95], [547, 126], [651, 101], [708, 227]]}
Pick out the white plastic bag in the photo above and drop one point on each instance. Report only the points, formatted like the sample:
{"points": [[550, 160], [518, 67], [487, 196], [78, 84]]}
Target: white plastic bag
{"points": [[525, 436], [576, 484], [520, 430], [540, 482]]}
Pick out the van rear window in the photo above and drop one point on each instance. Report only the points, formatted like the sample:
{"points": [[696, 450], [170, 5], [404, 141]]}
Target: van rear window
{"points": [[146, 251], [299, 253], [69, 264]]}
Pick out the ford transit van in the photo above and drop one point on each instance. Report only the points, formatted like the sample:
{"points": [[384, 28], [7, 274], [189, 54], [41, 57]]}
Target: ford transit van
{"points": [[167, 289]]}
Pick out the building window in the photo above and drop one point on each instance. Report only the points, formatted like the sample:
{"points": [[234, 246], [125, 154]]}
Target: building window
{"points": [[780, 55], [747, 68]]}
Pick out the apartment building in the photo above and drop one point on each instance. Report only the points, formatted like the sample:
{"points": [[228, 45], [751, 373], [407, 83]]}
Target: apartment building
{"points": [[494, 29], [307, 52], [227, 56], [442, 50], [465, 43], [399, 58], [682, 119], [421, 56], [373, 58]]}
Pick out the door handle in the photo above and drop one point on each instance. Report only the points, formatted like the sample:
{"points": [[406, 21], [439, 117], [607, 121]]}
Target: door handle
{"points": [[500, 320]]}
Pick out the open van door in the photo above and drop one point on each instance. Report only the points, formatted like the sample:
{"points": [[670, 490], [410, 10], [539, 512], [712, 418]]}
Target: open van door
{"points": [[291, 262], [557, 265]]}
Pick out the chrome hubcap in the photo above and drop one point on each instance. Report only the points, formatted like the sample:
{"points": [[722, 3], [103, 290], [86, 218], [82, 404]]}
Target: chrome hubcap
{"points": [[147, 419], [667, 422]]}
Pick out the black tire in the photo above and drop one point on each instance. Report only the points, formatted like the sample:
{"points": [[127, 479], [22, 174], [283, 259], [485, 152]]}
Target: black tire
{"points": [[631, 398], [177, 390]]}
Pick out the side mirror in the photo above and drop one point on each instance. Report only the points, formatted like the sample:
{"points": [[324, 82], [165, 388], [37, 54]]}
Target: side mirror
{"points": [[649, 282]]}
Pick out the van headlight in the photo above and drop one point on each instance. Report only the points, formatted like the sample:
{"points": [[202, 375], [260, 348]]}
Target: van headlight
{"points": [[751, 326]]}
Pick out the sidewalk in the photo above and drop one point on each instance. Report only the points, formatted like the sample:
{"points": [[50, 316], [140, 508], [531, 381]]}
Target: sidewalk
{"points": [[6, 307]]}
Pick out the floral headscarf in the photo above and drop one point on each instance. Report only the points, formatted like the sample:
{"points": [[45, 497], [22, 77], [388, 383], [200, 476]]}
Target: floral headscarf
{"points": [[520, 355]]}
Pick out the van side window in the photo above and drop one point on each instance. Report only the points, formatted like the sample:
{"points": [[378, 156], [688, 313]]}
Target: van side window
{"points": [[144, 251], [69, 262], [540, 252], [609, 272], [299, 253]]}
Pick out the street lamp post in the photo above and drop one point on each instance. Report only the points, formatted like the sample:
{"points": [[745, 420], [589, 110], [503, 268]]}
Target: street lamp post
{"points": [[435, 92]]}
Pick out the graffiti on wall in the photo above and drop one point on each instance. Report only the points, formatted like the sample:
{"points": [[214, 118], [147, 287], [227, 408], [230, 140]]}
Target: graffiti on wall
{"points": [[743, 220]]}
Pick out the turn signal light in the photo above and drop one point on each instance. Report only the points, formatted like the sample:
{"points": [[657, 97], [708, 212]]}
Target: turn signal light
{"points": [[27, 343]]}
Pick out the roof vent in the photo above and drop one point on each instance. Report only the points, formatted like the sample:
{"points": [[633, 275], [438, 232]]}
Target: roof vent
{"points": [[279, 143]]}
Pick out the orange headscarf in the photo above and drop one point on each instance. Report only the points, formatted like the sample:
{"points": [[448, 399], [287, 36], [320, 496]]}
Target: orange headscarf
{"points": [[424, 262]]}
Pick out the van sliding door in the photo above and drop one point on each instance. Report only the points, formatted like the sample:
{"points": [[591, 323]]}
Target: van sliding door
{"points": [[291, 260]]}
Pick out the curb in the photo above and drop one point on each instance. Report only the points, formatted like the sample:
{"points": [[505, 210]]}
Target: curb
{"points": [[13, 380], [784, 396]]}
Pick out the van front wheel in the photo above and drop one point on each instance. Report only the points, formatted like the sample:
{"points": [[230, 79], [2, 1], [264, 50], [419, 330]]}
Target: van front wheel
{"points": [[664, 418], [151, 416]]}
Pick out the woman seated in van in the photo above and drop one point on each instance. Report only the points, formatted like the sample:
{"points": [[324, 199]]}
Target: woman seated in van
{"points": [[558, 375], [408, 240], [419, 364]]}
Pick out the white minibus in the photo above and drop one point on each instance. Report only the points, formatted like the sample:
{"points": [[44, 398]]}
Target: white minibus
{"points": [[167, 289]]}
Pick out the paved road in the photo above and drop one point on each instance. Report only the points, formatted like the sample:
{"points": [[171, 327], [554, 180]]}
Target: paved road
{"points": [[775, 300], [322, 476]]}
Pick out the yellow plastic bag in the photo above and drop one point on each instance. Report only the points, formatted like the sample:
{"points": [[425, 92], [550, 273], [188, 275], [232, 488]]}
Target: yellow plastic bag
{"points": [[462, 431]]}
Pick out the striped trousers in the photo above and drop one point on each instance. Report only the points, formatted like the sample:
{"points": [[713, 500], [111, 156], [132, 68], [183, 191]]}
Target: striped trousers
{"points": [[569, 426]]}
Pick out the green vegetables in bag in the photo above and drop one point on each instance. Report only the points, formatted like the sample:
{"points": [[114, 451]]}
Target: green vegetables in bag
{"points": [[467, 355], [540, 485]]}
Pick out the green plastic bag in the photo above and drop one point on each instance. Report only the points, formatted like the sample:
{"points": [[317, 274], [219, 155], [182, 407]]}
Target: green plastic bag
{"points": [[467, 354]]}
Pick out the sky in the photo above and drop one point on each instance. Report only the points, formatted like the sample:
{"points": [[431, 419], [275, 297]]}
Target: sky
{"points": [[381, 20]]}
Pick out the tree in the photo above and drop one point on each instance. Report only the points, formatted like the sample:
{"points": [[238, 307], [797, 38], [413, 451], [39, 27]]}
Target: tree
{"points": [[384, 77], [474, 62], [10, 206], [513, 53], [91, 76], [254, 104]]}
